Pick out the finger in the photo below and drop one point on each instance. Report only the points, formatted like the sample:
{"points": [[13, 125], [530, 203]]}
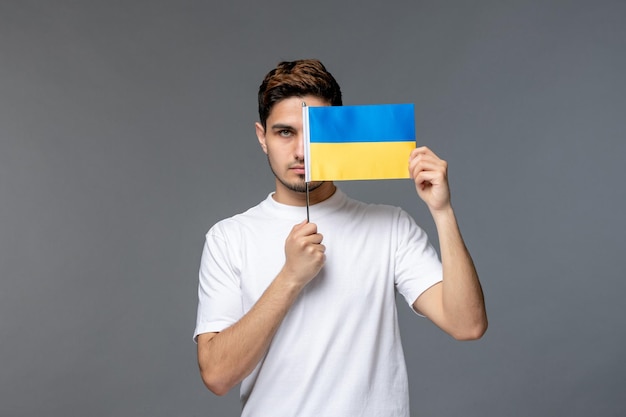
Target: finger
{"points": [[428, 177], [422, 150], [427, 166], [297, 227], [304, 228], [426, 159], [315, 250], [315, 238]]}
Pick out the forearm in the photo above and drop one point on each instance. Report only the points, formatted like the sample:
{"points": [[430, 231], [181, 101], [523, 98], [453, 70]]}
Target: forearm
{"points": [[461, 294], [226, 358]]}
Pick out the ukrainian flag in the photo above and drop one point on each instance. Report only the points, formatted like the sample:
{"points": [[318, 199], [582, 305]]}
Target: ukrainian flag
{"points": [[366, 142]]}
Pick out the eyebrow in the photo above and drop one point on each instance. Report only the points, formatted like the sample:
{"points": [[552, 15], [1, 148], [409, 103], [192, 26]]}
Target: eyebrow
{"points": [[282, 126]]}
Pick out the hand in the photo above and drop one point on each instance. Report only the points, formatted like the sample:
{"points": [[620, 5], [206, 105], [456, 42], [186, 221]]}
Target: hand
{"points": [[304, 253], [430, 174]]}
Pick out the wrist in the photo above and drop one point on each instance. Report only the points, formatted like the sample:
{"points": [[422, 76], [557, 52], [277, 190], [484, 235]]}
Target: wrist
{"points": [[289, 281], [444, 215]]}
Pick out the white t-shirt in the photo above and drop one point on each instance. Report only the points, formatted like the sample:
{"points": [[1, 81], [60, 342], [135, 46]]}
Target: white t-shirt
{"points": [[338, 350]]}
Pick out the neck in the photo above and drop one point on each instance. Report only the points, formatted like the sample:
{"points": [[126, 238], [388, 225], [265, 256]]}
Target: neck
{"points": [[294, 198]]}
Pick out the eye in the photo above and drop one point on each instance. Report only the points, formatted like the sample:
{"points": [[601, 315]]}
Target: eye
{"points": [[285, 133]]}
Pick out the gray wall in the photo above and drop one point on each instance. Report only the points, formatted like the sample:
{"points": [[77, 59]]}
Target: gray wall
{"points": [[126, 131]]}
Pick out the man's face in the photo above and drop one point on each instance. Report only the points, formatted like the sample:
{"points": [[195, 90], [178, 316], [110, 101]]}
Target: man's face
{"points": [[283, 143]]}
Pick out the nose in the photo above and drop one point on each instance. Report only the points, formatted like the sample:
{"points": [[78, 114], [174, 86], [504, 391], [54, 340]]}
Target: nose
{"points": [[300, 147]]}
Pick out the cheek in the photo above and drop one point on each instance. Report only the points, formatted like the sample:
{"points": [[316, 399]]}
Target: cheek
{"points": [[274, 151]]}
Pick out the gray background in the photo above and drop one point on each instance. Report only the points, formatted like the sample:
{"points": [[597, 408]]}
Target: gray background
{"points": [[126, 131]]}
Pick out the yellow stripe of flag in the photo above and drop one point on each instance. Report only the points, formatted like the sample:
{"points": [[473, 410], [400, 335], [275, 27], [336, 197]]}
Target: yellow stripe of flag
{"points": [[360, 160]]}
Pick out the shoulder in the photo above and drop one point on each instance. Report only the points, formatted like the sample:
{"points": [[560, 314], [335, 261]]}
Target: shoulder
{"points": [[237, 222], [262, 223], [255, 213]]}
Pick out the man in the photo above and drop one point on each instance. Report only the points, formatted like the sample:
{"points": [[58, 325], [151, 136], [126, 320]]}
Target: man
{"points": [[303, 314]]}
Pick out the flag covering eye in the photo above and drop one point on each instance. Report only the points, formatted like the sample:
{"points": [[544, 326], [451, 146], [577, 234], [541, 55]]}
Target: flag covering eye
{"points": [[366, 142]]}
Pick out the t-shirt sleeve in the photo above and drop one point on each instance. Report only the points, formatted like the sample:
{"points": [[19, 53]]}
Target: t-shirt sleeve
{"points": [[418, 266], [219, 291]]}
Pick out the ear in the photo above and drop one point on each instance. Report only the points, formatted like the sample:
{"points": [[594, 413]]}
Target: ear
{"points": [[260, 134]]}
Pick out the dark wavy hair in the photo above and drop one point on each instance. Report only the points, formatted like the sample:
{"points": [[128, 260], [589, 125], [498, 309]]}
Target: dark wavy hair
{"points": [[297, 78]]}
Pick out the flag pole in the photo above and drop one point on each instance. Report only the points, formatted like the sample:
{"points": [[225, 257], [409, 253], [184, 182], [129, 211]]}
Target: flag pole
{"points": [[307, 184], [307, 202]]}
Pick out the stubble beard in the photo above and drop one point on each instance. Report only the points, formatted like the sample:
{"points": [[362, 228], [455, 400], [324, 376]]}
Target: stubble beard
{"points": [[300, 186]]}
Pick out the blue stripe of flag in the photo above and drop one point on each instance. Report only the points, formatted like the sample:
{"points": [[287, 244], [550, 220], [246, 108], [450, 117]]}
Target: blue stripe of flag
{"points": [[363, 123]]}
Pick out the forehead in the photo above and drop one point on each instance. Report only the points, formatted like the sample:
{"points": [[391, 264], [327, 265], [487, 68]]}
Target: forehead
{"points": [[289, 110]]}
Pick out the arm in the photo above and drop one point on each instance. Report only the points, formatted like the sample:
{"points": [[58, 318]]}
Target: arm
{"points": [[226, 358], [456, 304]]}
